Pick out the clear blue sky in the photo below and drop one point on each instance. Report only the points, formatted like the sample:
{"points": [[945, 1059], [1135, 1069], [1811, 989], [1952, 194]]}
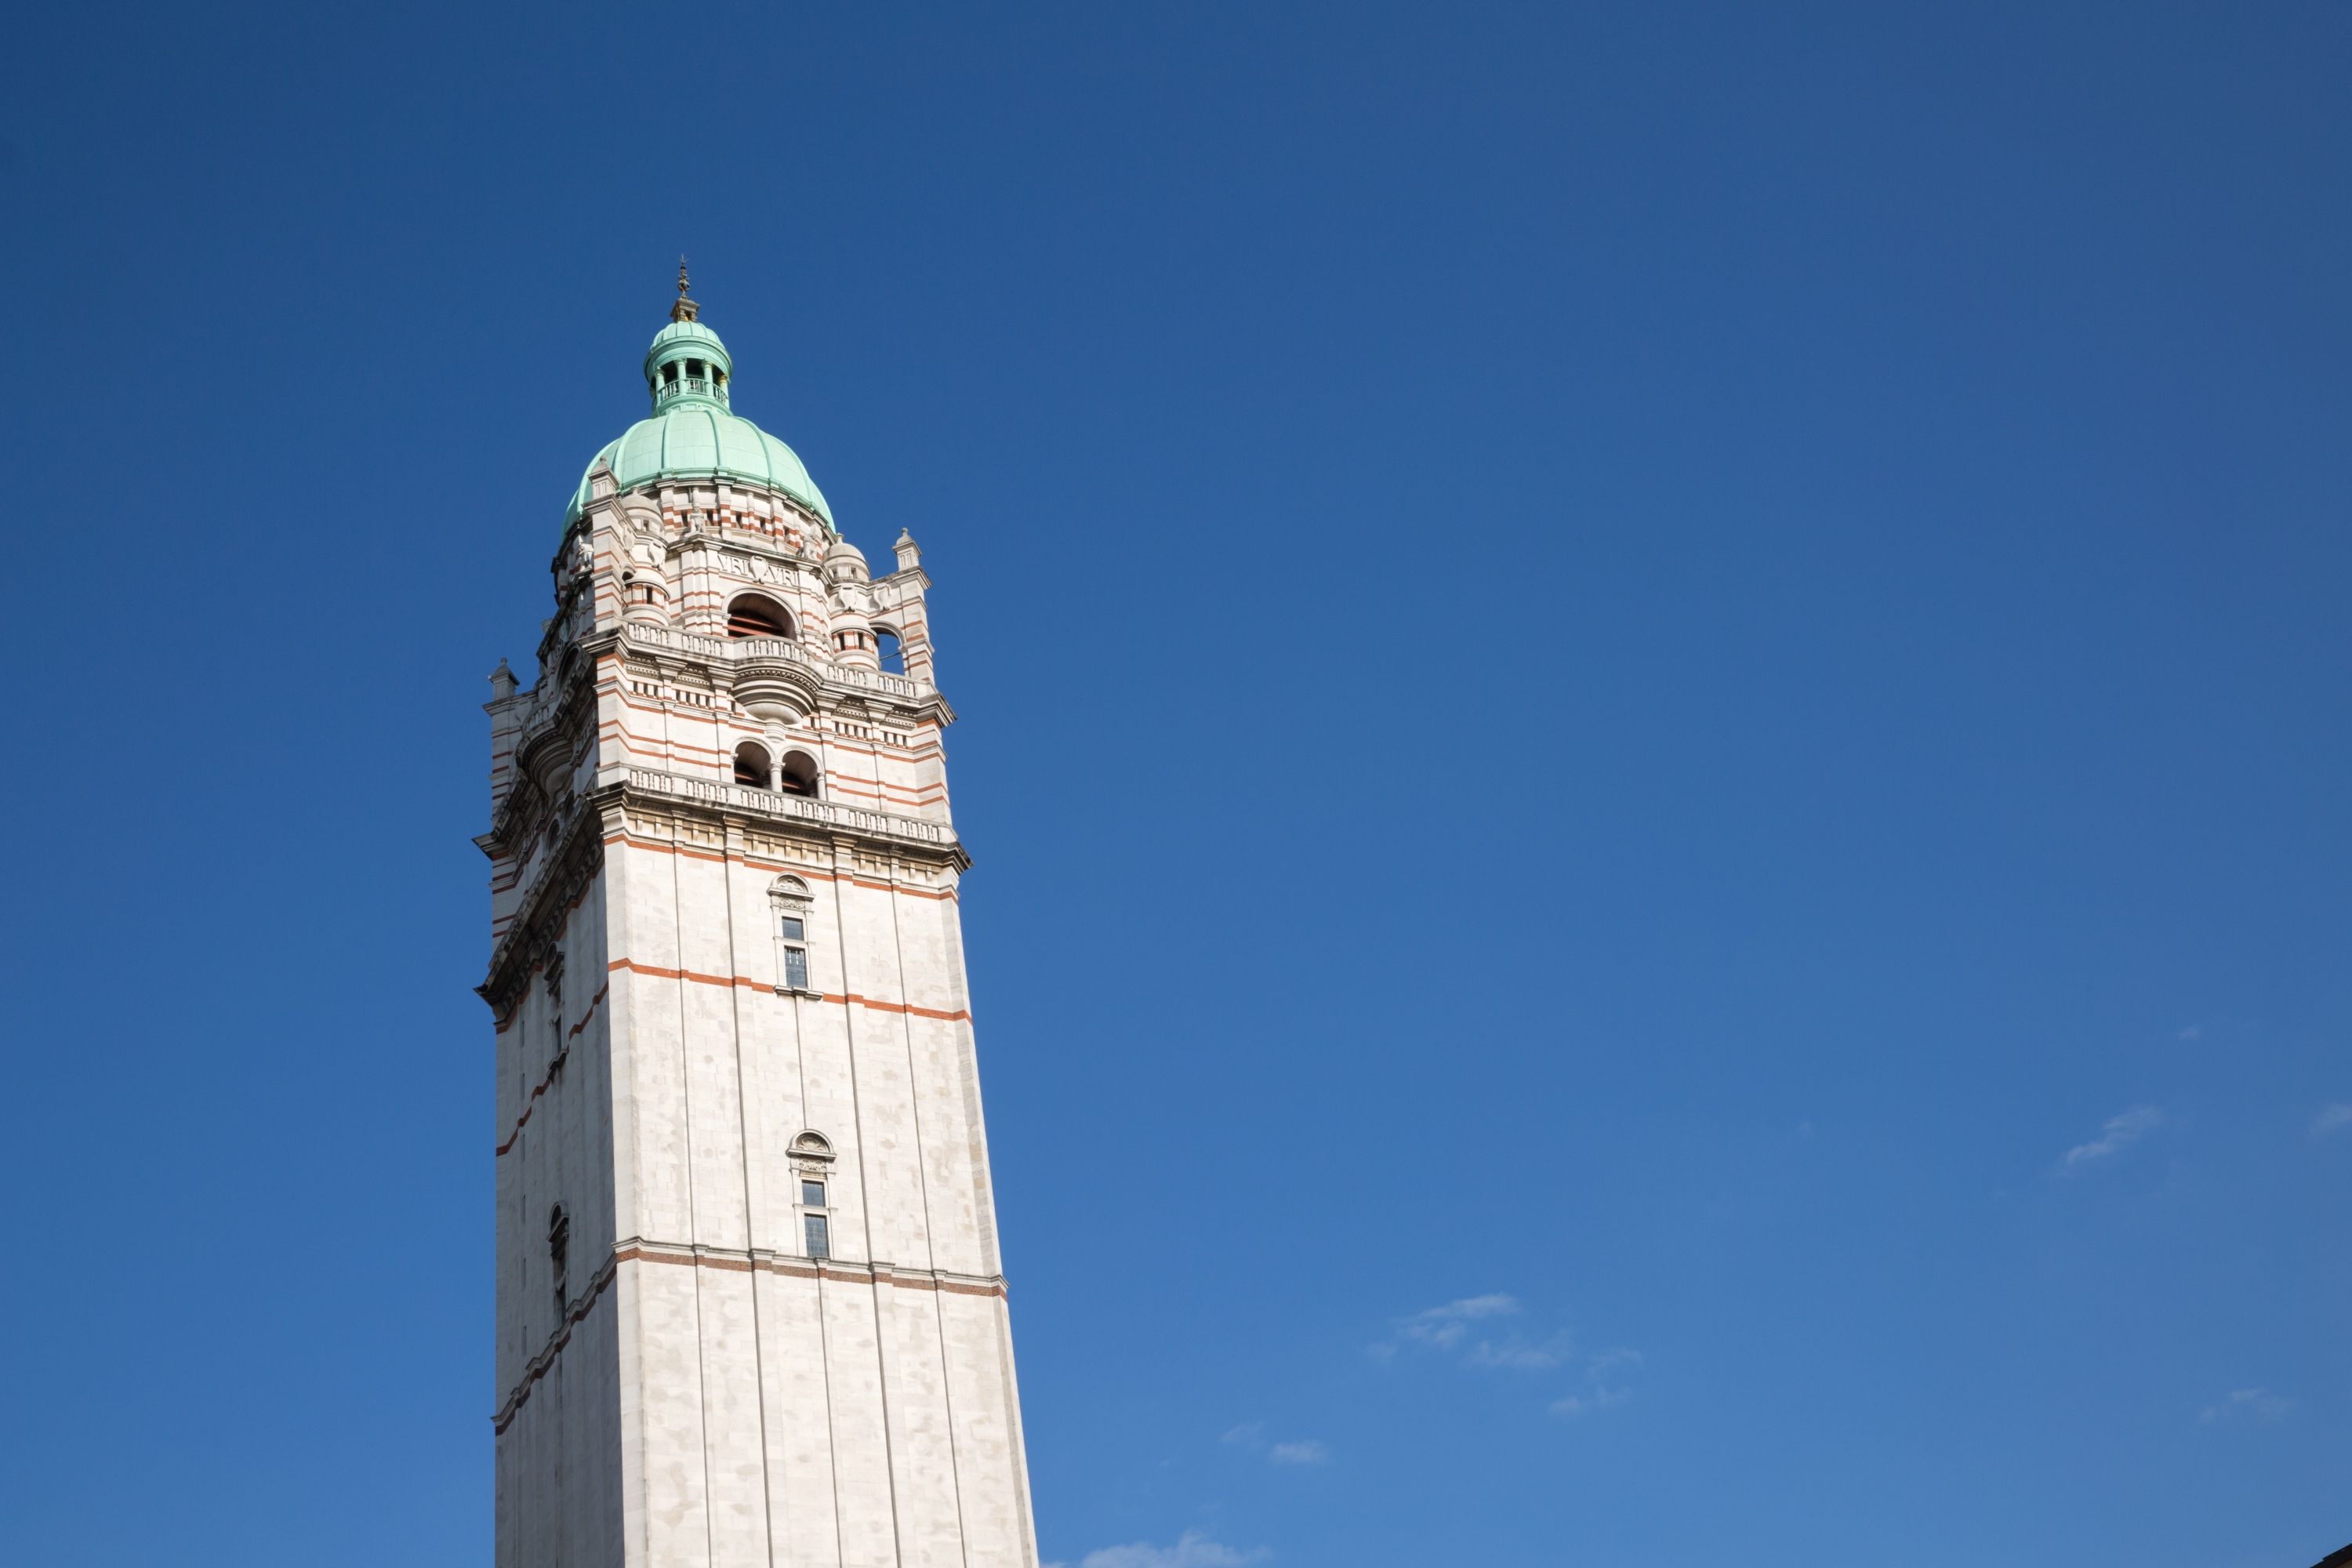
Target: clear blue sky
{"points": [[1654, 717]]}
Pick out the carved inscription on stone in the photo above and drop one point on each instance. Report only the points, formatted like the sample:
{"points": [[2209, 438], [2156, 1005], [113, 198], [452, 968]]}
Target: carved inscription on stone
{"points": [[756, 570]]}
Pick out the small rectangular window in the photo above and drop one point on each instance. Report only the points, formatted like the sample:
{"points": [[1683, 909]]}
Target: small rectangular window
{"points": [[796, 968], [813, 1194], [814, 1225], [794, 929]]}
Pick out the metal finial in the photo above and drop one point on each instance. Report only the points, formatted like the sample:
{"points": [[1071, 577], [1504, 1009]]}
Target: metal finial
{"points": [[684, 311]]}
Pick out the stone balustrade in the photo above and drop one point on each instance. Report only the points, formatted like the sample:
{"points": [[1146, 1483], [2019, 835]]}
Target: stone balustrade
{"points": [[799, 808], [736, 650]]}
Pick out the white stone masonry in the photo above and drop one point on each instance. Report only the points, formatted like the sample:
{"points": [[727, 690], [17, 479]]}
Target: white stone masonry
{"points": [[729, 981]]}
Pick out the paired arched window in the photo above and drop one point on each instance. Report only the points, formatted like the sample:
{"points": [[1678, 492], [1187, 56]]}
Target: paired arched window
{"points": [[797, 775], [757, 615]]}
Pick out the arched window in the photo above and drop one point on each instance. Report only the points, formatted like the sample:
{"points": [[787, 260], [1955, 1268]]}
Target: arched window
{"points": [[894, 658], [751, 764], [757, 615], [799, 775]]}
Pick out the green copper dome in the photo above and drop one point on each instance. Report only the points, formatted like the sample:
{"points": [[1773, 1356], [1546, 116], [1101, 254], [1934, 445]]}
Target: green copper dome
{"points": [[692, 432]]}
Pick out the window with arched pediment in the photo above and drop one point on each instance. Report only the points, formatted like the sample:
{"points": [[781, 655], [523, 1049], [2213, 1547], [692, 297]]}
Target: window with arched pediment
{"points": [[790, 907], [812, 1155]]}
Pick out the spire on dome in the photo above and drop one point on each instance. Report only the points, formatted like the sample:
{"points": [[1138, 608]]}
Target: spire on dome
{"points": [[684, 311]]}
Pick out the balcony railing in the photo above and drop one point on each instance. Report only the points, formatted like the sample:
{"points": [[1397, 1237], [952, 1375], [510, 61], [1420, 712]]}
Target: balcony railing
{"points": [[771, 802], [736, 650]]}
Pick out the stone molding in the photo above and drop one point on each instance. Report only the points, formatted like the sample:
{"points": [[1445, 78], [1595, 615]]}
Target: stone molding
{"points": [[751, 1260], [771, 806], [578, 853], [649, 642]]}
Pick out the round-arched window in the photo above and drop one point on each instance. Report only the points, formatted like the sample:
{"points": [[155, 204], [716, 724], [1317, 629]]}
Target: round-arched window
{"points": [[799, 775], [757, 615]]}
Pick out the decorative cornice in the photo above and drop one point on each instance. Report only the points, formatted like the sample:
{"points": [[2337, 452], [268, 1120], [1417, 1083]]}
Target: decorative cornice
{"points": [[580, 852], [648, 785], [645, 641]]}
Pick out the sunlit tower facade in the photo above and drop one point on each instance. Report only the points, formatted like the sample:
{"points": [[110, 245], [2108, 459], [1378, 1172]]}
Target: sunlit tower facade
{"points": [[750, 1305]]}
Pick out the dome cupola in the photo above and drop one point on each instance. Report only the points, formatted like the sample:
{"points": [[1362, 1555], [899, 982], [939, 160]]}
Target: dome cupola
{"points": [[693, 432], [687, 361]]}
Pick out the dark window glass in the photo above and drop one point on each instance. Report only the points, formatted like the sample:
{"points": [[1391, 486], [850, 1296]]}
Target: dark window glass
{"points": [[814, 1227], [813, 1194], [796, 968], [792, 929]]}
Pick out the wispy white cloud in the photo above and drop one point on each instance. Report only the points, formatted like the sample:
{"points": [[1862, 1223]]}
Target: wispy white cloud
{"points": [[1192, 1550], [1251, 1437], [1605, 1374], [2119, 1133], [1487, 1332], [2192, 1032], [1447, 1326], [1478, 1330], [2260, 1404], [1520, 1355], [1586, 1403], [1616, 1359], [2332, 1119]]}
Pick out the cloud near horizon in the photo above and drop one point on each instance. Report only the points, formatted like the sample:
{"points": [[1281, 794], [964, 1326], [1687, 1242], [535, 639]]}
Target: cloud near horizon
{"points": [[1192, 1550], [2118, 1133]]}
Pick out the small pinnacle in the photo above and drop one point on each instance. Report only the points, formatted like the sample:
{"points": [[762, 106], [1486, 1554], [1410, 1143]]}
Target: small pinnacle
{"points": [[684, 309]]}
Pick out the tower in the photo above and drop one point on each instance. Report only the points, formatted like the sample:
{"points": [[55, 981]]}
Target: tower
{"points": [[750, 1303]]}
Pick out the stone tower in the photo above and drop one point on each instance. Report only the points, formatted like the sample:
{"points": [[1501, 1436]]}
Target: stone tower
{"points": [[750, 1303]]}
